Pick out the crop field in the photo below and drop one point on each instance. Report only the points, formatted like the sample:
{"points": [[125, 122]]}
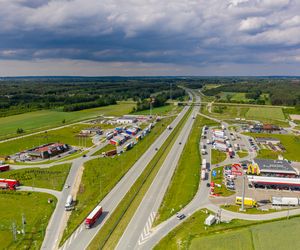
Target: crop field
{"points": [[290, 142], [102, 174], [185, 181], [52, 178], [265, 113], [36, 211], [66, 135], [46, 119]]}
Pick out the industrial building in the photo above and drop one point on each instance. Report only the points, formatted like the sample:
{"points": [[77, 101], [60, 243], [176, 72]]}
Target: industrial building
{"points": [[272, 168], [127, 119]]}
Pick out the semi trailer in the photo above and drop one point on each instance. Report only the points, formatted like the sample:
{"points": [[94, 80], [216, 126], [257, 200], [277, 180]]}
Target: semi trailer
{"points": [[93, 217]]}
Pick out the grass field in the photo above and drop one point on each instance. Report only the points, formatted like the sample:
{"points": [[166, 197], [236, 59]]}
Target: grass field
{"points": [[45, 119], [228, 112], [164, 110], [241, 97], [290, 142], [185, 181], [222, 191], [236, 235], [242, 154], [64, 135], [109, 235], [265, 113], [37, 213], [248, 210], [217, 156], [101, 175], [52, 178]]}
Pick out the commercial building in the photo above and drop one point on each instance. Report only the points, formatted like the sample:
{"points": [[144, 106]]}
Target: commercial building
{"points": [[128, 119], [48, 150]]}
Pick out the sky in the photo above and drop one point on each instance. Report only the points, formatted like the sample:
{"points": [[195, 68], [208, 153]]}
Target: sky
{"points": [[149, 37]]}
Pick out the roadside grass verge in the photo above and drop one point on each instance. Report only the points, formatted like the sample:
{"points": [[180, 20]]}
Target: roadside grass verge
{"points": [[238, 234], [185, 181], [248, 210], [106, 148], [46, 119], [222, 191], [217, 156], [111, 232], [37, 212], [242, 154], [102, 174], [51, 178]]}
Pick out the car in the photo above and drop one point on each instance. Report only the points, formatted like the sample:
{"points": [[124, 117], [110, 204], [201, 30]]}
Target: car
{"points": [[180, 216], [179, 143], [208, 184], [84, 156], [156, 149], [67, 186]]}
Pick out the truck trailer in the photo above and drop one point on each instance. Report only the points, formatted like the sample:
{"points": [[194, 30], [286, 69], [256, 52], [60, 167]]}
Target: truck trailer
{"points": [[203, 174], [12, 184], [4, 168], [247, 201], [4, 185], [203, 164], [93, 217], [285, 201], [69, 203]]}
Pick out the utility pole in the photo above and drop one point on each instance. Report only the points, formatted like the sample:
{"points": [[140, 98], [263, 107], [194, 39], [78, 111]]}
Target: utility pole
{"points": [[14, 231], [243, 194]]}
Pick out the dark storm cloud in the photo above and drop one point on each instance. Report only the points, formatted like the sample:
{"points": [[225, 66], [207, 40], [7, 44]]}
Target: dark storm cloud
{"points": [[189, 32]]}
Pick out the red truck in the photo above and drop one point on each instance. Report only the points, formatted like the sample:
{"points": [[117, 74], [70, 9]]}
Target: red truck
{"points": [[4, 168], [4, 185], [12, 184], [93, 217]]}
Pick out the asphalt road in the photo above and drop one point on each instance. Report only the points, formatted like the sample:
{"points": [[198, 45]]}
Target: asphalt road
{"points": [[81, 238], [136, 230]]}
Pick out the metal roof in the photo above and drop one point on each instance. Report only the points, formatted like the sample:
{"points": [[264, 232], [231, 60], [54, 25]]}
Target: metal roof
{"points": [[275, 166]]}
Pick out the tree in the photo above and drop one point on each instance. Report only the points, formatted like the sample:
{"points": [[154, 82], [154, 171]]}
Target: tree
{"points": [[20, 131]]}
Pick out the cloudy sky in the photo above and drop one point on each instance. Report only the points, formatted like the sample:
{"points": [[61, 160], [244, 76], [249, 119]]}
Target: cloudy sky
{"points": [[149, 37]]}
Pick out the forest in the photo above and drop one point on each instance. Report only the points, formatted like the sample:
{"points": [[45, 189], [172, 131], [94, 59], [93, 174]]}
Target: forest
{"points": [[73, 94]]}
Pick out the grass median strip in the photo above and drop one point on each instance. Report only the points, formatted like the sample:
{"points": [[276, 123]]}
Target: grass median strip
{"points": [[102, 174], [185, 181], [111, 232]]}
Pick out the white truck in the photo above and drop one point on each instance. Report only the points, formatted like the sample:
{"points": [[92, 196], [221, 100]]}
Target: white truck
{"points": [[169, 127], [203, 174], [211, 219], [203, 164], [203, 152], [285, 201], [69, 203]]}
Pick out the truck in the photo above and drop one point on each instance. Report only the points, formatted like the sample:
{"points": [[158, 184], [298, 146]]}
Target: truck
{"points": [[247, 201], [93, 217], [12, 184], [4, 185], [4, 168], [203, 164], [109, 135], [203, 174], [110, 153], [203, 152], [285, 201], [211, 219], [69, 203], [169, 127]]}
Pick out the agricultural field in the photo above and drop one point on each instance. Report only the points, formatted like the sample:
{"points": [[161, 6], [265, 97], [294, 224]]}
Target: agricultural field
{"points": [[240, 97], [290, 142], [185, 181], [66, 135], [101, 175], [265, 114], [37, 212], [51, 178], [46, 119], [223, 191], [217, 156]]}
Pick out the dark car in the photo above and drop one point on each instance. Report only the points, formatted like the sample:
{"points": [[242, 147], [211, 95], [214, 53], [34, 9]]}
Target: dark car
{"points": [[180, 216]]}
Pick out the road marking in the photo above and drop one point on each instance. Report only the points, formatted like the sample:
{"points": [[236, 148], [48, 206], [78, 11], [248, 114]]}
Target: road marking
{"points": [[147, 229]]}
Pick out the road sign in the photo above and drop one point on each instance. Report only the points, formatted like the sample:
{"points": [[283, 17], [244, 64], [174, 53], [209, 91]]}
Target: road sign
{"points": [[214, 173], [239, 173]]}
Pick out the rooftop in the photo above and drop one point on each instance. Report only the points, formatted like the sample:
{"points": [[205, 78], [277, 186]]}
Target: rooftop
{"points": [[276, 166]]}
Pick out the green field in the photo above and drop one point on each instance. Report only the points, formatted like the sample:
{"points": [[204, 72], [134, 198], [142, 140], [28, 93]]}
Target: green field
{"points": [[290, 142], [101, 175], [185, 181], [37, 213], [66, 135], [265, 113], [227, 111], [46, 119], [217, 156], [241, 97], [52, 178], [223, 191], [242, 154], [106, 148], [164, 110]]}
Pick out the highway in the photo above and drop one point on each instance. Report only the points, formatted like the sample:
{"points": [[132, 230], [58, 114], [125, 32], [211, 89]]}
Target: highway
{"points": [[81, 238], [137, 229]]}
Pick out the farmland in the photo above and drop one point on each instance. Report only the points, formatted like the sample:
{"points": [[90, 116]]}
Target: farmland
{"points": [[185, 181], [52, 178], [64, 135], [46, 119], [37, 212]]}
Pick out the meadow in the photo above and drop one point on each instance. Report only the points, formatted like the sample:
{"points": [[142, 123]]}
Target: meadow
{"points": [[37, 212], [46, 119], [265, 113]]}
